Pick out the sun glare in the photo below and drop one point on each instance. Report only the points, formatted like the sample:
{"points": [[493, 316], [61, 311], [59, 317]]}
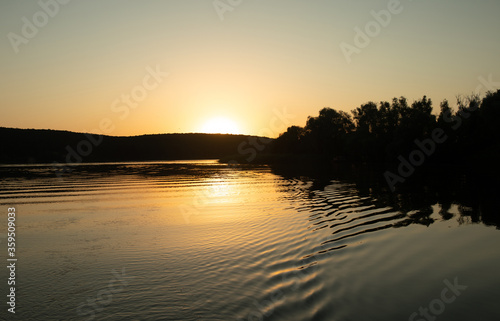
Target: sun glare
{"points": [[220, 125]]}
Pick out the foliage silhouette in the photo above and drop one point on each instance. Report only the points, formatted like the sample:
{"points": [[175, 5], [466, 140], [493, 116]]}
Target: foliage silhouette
{"points": [[380, 133]]}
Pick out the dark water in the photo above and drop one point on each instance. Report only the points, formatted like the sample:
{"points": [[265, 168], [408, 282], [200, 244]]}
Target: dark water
{"points": [[202, 241]]}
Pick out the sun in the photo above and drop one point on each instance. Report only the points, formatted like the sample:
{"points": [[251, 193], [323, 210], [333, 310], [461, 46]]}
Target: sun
{"points": [[220, 125]]}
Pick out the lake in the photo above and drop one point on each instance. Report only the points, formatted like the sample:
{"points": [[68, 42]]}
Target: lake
{"points": [[199, 240]]}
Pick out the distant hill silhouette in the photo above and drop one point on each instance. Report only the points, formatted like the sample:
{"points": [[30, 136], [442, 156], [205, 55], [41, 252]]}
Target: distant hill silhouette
{"points": [[47, 146]]}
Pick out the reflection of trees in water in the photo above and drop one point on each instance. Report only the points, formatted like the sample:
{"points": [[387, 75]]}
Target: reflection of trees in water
{"points": [[380, 133], [474, 198], [445, 211]]}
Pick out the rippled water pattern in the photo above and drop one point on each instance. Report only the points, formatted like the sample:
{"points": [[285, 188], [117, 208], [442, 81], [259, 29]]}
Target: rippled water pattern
{"points": [[203, 241]]}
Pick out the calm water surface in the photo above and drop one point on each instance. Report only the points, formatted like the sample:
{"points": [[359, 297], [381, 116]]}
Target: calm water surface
{"points": [[199, 240]]}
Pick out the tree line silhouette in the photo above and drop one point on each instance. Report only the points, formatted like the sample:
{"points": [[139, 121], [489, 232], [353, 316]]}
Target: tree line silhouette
{"points": [[379, 133], [371, 133]]}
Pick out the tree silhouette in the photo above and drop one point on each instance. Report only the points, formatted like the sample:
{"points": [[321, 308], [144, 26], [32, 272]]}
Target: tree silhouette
{"points": [[380, 133]]}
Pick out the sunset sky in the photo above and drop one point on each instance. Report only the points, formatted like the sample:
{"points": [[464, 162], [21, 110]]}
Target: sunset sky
{"points": [[68, 66]]}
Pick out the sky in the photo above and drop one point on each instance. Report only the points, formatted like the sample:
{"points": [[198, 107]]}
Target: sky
{"points": [[245, 66]]}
